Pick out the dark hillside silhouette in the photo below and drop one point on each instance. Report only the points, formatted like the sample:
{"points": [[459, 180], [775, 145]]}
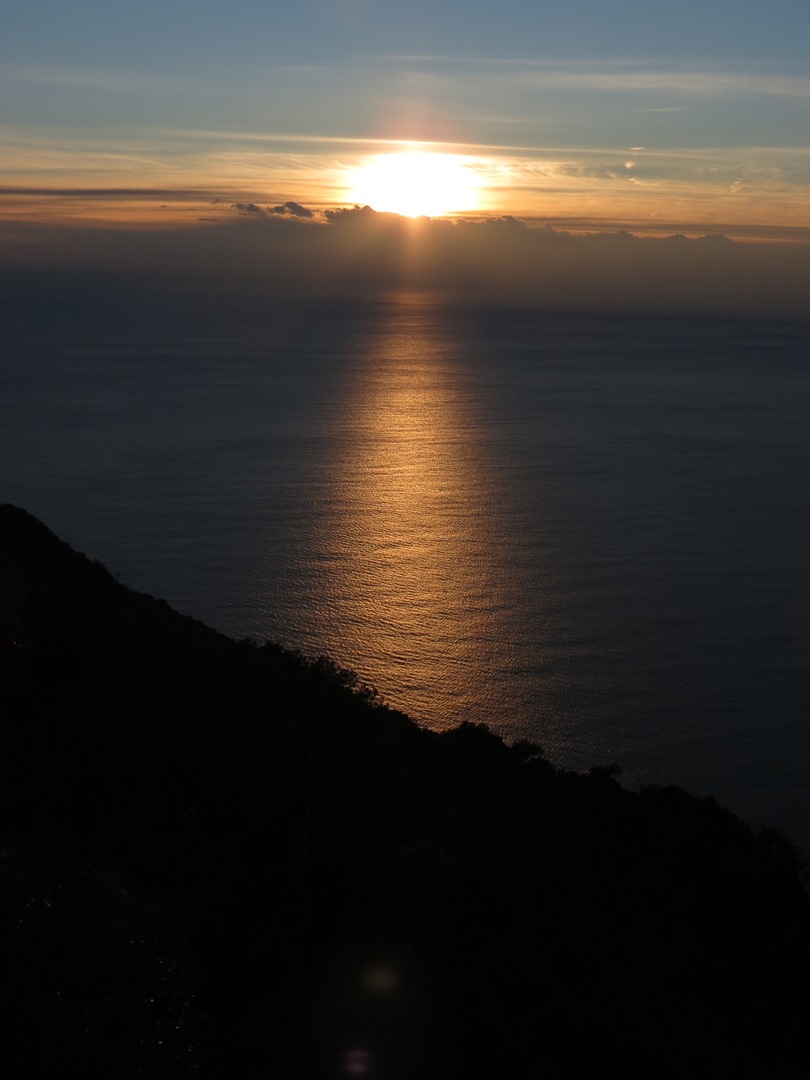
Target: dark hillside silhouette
{"points": [[225, 860]]}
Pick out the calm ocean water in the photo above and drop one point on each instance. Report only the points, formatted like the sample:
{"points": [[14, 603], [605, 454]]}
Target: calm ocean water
{"points": [[591, 531]]}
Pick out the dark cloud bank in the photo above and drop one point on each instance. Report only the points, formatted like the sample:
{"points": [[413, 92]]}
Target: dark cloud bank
{"points": [[358, 253]]}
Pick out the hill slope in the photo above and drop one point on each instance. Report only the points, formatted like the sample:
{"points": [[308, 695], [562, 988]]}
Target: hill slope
{"points": [[224, 860]]}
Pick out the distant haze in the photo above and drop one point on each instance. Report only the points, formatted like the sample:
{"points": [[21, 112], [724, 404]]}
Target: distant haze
{"points": [[357, 253]]}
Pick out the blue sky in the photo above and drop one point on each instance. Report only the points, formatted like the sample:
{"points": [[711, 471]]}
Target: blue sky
{"points": [[629, 111], [196, 36]]}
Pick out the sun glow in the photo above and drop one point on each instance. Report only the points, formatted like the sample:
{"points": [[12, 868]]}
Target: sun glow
{"points": [[415, 183]]}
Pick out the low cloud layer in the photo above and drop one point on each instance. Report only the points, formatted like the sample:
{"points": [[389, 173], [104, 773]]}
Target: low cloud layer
{"points": [[356, 253]]}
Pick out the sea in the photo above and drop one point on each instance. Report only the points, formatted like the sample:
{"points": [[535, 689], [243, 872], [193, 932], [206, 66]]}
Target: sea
{"points": [[586, 530]]}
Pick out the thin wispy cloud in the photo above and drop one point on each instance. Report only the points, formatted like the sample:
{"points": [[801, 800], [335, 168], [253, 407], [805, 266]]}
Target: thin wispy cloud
{"points": [[687, 83], [101, 79], [619, 76]]}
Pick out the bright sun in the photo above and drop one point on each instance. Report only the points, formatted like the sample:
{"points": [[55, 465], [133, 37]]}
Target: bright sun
{"points": [[414, 183]]}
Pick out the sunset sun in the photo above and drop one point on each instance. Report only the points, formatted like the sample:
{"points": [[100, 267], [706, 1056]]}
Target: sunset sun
{"points": [[415, 183]]}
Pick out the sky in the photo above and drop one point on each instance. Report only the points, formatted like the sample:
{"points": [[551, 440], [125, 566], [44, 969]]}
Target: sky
{"points": [[590, 117], [690, 113]]}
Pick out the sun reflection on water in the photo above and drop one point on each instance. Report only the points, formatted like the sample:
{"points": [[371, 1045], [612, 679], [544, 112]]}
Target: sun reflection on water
{"points": [[408, 559]]}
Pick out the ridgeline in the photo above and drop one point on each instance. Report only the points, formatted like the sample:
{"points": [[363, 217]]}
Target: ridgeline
{"points": [[224, 860]]}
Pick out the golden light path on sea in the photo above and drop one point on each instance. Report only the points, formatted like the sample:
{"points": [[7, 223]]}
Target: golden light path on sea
{"points": [[408, 563]]}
